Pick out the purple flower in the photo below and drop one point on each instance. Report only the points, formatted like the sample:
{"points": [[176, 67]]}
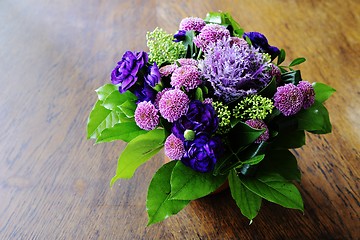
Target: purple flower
{"points": [[173, 104], [167, 70], [259, 124], [192, 23], [174, 147], [288, 99], [258, 40], [146, 116], [180, 36], [235, 71], [308, 92], [201, 154], [153, 75], [187, 61], [145, 93], [187, 76], [125, 73], [200, 117], [211, 33]]}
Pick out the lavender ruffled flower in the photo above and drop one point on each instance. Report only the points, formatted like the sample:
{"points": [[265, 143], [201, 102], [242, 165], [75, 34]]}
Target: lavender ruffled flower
{"points": [[259, 124], [187, 76], [146, 116], [180, 36], [145, 93], [153, 75], [201, 154], [288, 99], [174, 147], [125, 73], [200, 117], [258, 40], [211, 33], [173, 104], [235, 71], [308, 92]]}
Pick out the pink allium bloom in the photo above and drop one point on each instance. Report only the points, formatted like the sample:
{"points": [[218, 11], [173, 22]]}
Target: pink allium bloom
{"points": [[173, 104], [288, 99], [192, 23], [187, 76], [167, 70], [211, 33], [159, 95], [174, 147], [259, 124], [275, 72], [146, 116], [240, 42], [187, 61], [309, 94]]}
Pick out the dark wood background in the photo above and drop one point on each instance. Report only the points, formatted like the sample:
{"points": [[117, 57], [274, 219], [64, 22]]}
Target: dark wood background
{"points": [[54, 184]]}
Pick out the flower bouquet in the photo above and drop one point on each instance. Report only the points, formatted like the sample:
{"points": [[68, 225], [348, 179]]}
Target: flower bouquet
{"points": [[223, 106]]}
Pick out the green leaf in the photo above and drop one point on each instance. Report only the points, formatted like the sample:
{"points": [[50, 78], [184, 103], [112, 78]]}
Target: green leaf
{"points": [[199, 94], [125, 131], [242, 135], [297, 61], [293, 77], [254, 160], [214, 17], [116, 98], [276, 189], [104, 91], [187, 184], [248, 202], [281, 162], [269, 90], [137, 152], [281, 57], [158, 205], [128, 108], [289, 139], [99, 119], [322, 91], [315, 119]]}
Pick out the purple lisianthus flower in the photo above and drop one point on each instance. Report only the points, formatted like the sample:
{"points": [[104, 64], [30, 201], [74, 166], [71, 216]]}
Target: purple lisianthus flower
{"points": [[288, 99], [153, 75], [200, 117], [180, 36], [125, 73], [145, 93], [201, 154], [258, 40]]}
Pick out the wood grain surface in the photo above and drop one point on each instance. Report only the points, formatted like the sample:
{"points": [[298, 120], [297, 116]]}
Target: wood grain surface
{"points": [[54, 184]]}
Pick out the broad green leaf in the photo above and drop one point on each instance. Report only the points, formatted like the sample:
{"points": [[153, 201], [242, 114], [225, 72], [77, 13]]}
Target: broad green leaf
{"points": [[322, 91], [104, 91], [137, 152], [276, 189], [281, 57], [100, 118], [269, 90], [297, 61], [314, 119], [116, 98], [214, 17], [289, 139], [293, 77], [187, 184], [128, 108], [121, 131], [248, 202], [158, 204], [242, 135], [282, 162]]}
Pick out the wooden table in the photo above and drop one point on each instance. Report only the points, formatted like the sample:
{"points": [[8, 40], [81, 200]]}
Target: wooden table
{"points": [[54, 184]]}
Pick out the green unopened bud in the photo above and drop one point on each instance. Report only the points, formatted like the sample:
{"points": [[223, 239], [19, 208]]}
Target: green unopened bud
{"points": [[189, 135]]}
